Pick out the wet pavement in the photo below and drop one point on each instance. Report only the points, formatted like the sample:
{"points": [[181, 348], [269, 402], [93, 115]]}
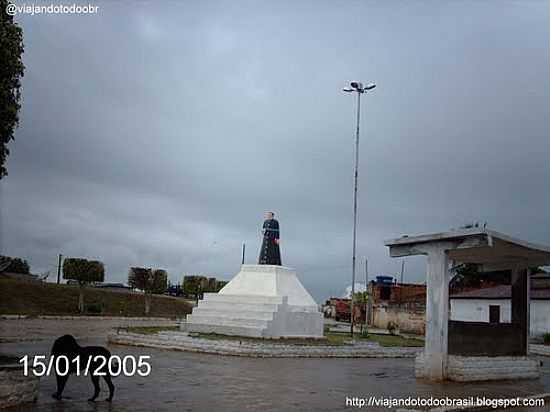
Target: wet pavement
{"points": [[199, 382]]}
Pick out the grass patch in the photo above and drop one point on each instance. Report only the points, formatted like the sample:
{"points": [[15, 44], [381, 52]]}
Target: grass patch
{"points": [[38, 298], [382, 340], [282, 341], [151, 330], [332, 339], [390, 340]]}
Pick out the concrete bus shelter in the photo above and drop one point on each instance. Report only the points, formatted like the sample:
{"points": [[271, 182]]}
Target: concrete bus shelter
{"points": [[474, 351]]}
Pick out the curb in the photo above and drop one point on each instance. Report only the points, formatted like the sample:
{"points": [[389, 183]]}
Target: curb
{"points": [[535, 349], [85, 317], [181, 341]]}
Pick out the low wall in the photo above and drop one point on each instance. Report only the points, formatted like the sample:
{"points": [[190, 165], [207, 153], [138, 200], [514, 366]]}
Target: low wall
{"points": [[480, 338], [16, 388], [409, 321]]}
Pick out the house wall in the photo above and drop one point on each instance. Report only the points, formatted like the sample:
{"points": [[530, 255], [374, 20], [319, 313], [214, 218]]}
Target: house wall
{"points": [[477, 310], [540, 317], [410, 321]]}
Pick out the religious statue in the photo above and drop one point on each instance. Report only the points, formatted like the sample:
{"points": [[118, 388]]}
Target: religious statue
{"points": [[270, 253]]}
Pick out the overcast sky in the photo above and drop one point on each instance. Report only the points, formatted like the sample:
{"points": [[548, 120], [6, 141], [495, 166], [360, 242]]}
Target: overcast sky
{"points": [[157, 133]]}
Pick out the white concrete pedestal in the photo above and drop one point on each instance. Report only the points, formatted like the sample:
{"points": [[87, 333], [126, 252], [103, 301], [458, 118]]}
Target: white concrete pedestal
{"points": [[260, 301]]}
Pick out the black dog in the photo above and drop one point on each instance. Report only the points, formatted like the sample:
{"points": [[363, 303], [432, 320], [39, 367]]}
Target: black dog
{"points": [[67, 346]]}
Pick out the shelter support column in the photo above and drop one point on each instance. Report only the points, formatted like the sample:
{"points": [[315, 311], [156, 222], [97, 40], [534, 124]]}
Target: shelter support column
{"points": [[437, 313], [520, 304]]}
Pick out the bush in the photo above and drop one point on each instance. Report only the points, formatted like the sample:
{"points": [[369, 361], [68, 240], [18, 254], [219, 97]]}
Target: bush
{"points": [[546, 338], [94, 308], [393, 328]]}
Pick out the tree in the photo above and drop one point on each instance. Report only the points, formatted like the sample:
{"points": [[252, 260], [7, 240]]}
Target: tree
{"points": [[84, 272], [11, 72], [16, 265], [197, 285], [150, 281], [468, 276], [360, 300]]}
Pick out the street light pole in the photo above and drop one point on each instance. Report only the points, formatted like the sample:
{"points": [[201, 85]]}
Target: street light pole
{"points": [[355, 179], [59, 268], [356, 87]]}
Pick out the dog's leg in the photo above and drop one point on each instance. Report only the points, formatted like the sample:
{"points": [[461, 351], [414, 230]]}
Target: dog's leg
{"points": [[95, 381], [61, 381], [107, 378]]}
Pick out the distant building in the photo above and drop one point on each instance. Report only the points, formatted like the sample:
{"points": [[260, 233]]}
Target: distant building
{"points": [[493, 305], [401, 303]]}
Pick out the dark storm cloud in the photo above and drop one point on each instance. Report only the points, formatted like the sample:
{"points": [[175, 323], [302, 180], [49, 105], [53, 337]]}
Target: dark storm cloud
{"points": [[157, 133]]}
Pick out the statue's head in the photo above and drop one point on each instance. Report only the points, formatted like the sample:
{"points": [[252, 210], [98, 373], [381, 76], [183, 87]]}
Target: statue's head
{"points": [[269, 215]]}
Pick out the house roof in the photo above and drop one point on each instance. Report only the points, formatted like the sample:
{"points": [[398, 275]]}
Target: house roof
{"points": [[499, 292]]}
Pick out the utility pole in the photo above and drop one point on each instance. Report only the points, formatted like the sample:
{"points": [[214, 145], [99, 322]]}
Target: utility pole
{"points": [[402, 269], [244, 249], [367, 298], [59, 267]]}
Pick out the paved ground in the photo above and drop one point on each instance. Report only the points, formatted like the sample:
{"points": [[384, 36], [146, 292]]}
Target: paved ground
{"points": [[199, 382]]}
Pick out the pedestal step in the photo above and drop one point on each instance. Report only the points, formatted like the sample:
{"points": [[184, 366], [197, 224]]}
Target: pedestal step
{"points": [[215, 319], [226, 330], [217, 297], [223, 307], [210, 310], [233, 314], [260, 301]]}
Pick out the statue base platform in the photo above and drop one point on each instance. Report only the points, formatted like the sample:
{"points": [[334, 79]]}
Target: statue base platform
{"points": [[261, 301]]}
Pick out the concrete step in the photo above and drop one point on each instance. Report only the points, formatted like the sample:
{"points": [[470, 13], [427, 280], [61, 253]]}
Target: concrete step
{"points": [[234, 306], [208, 310], [227, 321], [210, 297], [225, 330]]}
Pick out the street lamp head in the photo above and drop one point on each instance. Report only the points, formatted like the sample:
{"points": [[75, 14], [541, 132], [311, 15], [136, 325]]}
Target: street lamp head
{"points": [[358, 87]]}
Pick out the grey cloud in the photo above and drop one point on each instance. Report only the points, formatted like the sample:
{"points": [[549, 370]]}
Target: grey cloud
{"points": [[158, 133]]}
